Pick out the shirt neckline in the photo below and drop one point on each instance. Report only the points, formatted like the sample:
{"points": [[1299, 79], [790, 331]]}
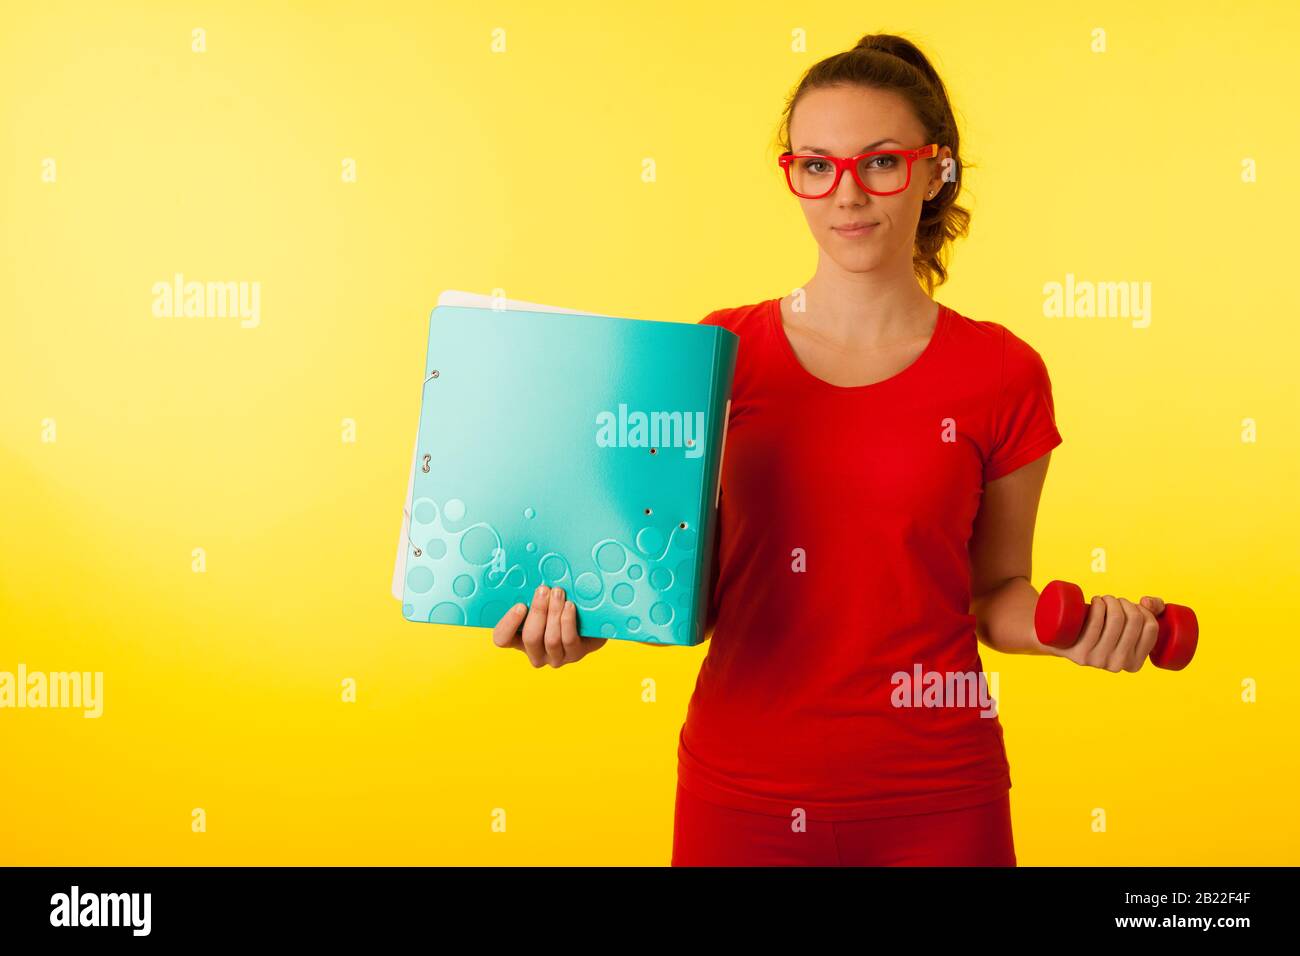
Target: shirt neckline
{"points": [[909, 371]]}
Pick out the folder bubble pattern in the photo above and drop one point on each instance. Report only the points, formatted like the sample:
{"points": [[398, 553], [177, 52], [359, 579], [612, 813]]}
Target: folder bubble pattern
{"points": [[645, 584]]}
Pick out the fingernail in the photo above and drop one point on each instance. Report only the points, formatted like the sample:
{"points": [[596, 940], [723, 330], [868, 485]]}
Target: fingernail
{"points": [[568, 605], [518, 608]]}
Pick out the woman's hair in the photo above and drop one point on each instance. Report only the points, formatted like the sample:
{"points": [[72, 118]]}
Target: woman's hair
{"points": [[884, 61]]}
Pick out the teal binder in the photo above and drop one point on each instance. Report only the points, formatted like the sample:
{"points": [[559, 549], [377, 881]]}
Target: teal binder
{"points": [[578, 450]]}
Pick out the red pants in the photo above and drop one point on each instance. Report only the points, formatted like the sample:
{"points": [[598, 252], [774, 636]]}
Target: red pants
{"points": [[706, 834]]}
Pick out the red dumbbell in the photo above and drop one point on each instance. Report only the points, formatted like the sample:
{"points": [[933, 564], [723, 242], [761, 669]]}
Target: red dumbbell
{"points": [[1060, 613]]}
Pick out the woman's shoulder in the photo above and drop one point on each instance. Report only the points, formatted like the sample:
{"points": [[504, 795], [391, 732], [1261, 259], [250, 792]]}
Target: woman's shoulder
{"points": [[740, 318], [992, 340]]}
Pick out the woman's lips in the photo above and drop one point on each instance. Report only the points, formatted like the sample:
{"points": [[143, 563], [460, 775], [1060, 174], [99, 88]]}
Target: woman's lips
{"points": [[848, 233]]}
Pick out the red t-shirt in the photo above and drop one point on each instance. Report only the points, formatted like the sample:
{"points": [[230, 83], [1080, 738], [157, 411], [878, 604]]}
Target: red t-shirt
{"points": [[871, 491]]}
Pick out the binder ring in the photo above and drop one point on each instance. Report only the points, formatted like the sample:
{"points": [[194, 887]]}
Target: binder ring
{"points": [[425, 467]]}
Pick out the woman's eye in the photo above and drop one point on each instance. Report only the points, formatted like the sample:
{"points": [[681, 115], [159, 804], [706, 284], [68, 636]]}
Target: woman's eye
{"points": [[819, 163], [886, 162]]}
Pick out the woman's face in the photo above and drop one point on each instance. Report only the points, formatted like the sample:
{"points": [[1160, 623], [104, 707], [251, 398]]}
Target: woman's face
{"points": [[845, 121]]}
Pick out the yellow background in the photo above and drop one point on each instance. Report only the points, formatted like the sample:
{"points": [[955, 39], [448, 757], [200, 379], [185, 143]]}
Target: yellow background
{"points": [[521, 170]]}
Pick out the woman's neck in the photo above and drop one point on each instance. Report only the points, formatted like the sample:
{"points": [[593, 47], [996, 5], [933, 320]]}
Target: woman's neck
{"points": [[856, 313]]}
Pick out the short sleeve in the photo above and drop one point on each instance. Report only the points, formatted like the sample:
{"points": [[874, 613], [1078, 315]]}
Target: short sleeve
{"points": [[1024, 415]]}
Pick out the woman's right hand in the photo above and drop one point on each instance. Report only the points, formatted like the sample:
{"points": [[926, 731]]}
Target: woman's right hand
{"points": [[550, 631]]}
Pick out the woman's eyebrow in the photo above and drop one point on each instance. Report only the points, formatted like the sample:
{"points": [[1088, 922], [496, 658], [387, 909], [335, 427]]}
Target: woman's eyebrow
{"points": [[864, 149]]}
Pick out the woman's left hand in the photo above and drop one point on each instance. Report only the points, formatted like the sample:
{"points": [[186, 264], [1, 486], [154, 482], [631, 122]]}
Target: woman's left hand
{"points": [[1117, 634]]}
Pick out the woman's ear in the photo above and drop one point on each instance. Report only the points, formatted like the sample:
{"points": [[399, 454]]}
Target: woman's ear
{"points": [[943, 162]]}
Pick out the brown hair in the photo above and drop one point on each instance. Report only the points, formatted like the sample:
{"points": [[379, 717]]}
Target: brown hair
{"points": [[888, 62]]}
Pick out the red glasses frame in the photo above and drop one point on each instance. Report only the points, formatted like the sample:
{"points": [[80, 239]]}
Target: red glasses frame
{"points": [[850, 163]]}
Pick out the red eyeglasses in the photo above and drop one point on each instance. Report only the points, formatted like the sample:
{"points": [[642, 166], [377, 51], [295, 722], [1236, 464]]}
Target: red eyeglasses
{"points": [[880, 173]]}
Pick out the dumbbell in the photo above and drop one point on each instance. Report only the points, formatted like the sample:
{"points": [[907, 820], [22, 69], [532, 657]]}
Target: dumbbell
{"points": [[1061, 610]]}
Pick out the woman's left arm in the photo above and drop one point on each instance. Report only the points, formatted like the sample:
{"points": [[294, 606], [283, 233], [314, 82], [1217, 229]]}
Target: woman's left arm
{"points": [[1001, 553], [1117, 634]]}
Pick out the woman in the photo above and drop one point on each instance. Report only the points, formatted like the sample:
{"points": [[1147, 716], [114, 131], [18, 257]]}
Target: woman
{"points": [[885, 458]]}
